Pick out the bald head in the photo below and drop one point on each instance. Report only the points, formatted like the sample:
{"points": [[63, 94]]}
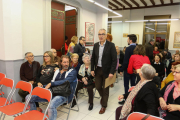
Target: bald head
{"points": [[54, 52]]}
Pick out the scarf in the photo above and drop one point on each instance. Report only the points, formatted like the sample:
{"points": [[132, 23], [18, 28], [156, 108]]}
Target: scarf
{"points": [[126, 109], [73, 65], [82, 70]]}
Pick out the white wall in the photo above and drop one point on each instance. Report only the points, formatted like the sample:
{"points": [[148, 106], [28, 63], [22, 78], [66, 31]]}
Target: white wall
{"points": [[137, 28]]}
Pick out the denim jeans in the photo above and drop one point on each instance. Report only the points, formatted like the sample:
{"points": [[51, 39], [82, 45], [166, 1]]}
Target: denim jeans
{"points": [[55, 102]]}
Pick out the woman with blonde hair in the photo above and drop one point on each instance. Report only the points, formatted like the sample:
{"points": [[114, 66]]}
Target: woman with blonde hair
{"points": [[74, 41], [74, 62]]}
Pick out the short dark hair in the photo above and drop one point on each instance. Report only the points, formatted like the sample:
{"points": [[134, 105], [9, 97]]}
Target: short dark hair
{"points": [[132, 37], [140, 50], [66, 37], [64, 56], [81, 37], [159, 57]]}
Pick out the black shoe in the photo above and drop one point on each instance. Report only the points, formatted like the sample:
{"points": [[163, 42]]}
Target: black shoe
{"points": [[121, 102], [90, 107], [73, 104]]}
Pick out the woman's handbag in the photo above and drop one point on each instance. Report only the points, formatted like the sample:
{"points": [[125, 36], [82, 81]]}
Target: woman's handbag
{"points": [[61, 90], [90, 81]]}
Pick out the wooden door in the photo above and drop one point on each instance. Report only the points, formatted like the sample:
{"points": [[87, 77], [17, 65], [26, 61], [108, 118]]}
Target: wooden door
{"points": [[57, 26]]}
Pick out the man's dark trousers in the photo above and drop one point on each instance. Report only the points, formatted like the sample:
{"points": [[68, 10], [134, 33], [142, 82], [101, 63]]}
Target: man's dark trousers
{"points": [[127, 77]]}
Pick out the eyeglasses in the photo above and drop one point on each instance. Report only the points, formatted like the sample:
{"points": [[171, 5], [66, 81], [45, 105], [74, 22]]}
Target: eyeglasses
{"points": [[54, 52], [45, 56], [31, 56], [102, 34], [175, 72]]}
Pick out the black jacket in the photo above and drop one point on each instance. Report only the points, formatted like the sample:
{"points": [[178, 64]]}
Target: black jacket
{"points": [[121, 58], [171, 115], [147, 99], [109, 58], [149, 51], [79, 49], [128, 53]]}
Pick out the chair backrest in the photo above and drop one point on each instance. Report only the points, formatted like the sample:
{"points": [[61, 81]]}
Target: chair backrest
{"points": [[7, 82], [2, 76], [139, 116], [131, 88], [42, 93], [25, 86], [73, 86]]}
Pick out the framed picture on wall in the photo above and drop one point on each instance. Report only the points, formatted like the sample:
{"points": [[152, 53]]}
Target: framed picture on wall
{"points": [[176, 43], [89, 33]]}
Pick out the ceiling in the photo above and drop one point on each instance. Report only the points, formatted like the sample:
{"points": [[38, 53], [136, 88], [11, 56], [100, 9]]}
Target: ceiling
{"points": [[138, 4]]}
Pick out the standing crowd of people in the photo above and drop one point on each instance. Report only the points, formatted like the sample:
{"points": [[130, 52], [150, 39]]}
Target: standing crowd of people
{"points": [[144, 67]]}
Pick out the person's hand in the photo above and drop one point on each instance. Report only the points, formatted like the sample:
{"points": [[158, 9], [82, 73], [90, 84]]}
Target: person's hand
{"points": [[119, 65], [48, 86], [162, 104], [39, 84], [156, 74], [56, 69], [173, 107], [83, 79], [111, 76], [92, 73], [120, 97], [121, 73], [32, 82]]}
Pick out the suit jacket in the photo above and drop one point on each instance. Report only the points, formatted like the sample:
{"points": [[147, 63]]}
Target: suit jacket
{"points": [[109, 58], [149, 51], [79, 49]]}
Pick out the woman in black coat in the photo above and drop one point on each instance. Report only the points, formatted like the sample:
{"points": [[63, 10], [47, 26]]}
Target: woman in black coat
{"points": [[143, 98]]}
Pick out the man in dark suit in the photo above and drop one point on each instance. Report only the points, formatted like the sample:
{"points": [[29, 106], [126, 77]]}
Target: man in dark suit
{"points": [[129, 51], [80, 49], [149, 49], [103, 65]]}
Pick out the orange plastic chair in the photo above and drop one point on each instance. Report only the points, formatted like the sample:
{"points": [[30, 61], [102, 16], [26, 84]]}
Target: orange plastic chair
{"points": [[1, 77], [131, 88], [139, 116], [34, 114], [8, 83], [17, 107]]}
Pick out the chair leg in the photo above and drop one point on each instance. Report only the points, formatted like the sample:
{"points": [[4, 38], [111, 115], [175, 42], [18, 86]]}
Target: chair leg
{"points": [[3, 116]]}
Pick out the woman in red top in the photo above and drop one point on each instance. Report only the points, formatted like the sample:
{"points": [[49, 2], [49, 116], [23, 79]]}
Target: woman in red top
{"points": [[137, 60]]}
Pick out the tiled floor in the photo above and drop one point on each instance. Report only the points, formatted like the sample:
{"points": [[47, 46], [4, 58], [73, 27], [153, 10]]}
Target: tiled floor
{"points": [[85, 114]]}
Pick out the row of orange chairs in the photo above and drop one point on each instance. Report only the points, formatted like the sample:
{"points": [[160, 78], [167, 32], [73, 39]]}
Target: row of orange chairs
{"points": [[11, 108]]}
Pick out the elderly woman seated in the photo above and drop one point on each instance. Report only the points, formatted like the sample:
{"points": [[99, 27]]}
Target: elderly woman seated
{"points": [[143, 98], [86, 79], [74, 62], [170, 97]]}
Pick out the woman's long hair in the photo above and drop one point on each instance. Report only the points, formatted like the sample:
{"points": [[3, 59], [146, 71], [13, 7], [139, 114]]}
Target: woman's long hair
{"points": [[140, 50], [51, 60]]}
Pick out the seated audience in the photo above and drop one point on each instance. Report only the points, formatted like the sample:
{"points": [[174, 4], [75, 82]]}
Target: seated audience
{"points": [[56, 58], [46, 71], [80, 48], [159, 66], [170, 77], [137, 60], [86, 80], [176, 59], [87, 50], [143, 97], [169, 97], [74, 41], [28, 72], [65, 73], [74, 62], [155, 51]]}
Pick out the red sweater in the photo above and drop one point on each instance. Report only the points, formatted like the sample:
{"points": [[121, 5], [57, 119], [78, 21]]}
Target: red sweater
{"points": [[136, 62], [155, 52]]}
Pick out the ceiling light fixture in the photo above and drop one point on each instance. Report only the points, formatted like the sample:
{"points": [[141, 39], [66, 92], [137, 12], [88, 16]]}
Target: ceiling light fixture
{"points": [[137, 21], [114, 21], [98, 4], [164, 20], [113, 16]]}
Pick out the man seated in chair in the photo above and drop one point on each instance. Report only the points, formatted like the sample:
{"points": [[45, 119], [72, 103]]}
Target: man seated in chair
{"points": [[65, 73], [28, 72]]}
